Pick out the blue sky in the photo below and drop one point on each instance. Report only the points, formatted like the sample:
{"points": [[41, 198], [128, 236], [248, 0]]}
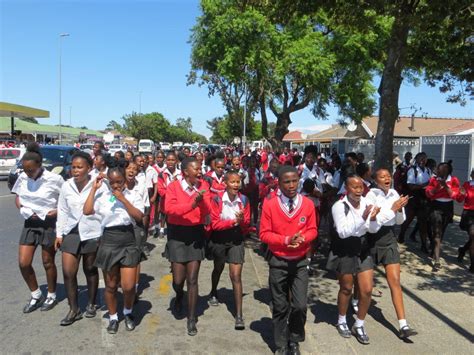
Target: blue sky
{"points": [[117, 49]]}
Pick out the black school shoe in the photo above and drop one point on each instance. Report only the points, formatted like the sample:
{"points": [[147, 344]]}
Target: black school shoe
{"points": [[49, 304], [213, 301], [192, 330], [406, 332], [70, 318], [91, 311], [33, 307], [282, 351], [293, 348], [239, 323], [113, 326], [129, 322]]}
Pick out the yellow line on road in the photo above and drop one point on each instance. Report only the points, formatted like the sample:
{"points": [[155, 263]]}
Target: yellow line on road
{"points": [[165, 285]]}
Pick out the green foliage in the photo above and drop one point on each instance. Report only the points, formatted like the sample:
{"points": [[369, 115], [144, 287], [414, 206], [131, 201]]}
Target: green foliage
{"points": [[224, 129], [114, 126]]}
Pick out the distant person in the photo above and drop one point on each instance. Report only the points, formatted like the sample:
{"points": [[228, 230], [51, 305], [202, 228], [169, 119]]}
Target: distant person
{"points": [[466, 195]]}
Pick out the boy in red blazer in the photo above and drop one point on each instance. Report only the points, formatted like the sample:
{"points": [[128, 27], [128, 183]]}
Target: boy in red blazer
{"points": [[215, 179], [288, 225], [230, 220]]}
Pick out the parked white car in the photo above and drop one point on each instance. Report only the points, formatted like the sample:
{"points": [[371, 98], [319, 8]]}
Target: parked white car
{"points": [[165, 146], [114, 148], [8, 159], [146, 146]]}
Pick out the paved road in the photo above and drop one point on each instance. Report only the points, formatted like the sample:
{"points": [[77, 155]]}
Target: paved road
{"points": [[438, 306]]}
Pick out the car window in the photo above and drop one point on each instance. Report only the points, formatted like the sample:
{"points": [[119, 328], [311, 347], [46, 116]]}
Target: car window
{"points": [[9, 153]]}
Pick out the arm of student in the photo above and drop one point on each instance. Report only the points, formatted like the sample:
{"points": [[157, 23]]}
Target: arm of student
{"points": [[172, 206], [88, 208], [62, 215], [431, 188], [344, 226], [266, 234], [217, 223]]}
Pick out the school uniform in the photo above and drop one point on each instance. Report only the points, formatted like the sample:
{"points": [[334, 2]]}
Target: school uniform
{"points": [[151, 176], [227, 239], [95, 172], [281, 219], [216, 183], [80, 233], [251, 185], [383, 243], [118, 243], [185, 223], [165, 178], [140, 190], [467, 217], [268, 186], [38, 197], [350, 252], [419, 203], [442, 206]]}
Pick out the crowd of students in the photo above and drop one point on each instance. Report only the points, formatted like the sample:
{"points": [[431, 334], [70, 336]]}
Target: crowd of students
{"points": [[206, 204]]}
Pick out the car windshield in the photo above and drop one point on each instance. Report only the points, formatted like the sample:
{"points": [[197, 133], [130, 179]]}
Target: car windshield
{"points": [[145, 144], [9, 153], [53, 156]]}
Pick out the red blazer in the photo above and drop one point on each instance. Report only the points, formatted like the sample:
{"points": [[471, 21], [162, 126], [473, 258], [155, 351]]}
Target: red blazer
{"points": [[216, 187], [162, 186], [434, 190], [268, 186], [468, 197], [178, 205], [277, 227], [218, 224]]}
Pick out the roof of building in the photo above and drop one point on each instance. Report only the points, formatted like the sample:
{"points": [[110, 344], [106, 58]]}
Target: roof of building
{"points": [[31, 128], [368, 128]]}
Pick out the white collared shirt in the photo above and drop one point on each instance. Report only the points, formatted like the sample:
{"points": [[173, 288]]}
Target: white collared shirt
{"points": [[229, 208], [285, 201], [142, 191], [218, 179], [70, 212], [386, 216], [422, 177], [190, 190], [95, 172], [38, 196], [170, 176], [112, 212], [247, 176], [352, 224], [316, 174], [151, 176]]}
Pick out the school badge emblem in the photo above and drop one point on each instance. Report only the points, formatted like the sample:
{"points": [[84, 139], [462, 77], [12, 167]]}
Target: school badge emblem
{"points": [[303, 219]]}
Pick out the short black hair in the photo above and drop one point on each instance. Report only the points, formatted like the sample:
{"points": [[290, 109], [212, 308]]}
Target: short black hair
{"points": [[231, 172], [82, 155], [33, 153], [285, 169], [186, 161], [449, 164], [362, 169], [351, 176], [308, 186]]}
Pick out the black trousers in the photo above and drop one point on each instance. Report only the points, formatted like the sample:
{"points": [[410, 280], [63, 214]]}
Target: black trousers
{"points": [[288, 282]]}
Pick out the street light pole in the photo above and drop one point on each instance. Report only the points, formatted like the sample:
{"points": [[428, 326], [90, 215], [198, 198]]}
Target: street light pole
{"points": [[61, 35], [244, 136]]}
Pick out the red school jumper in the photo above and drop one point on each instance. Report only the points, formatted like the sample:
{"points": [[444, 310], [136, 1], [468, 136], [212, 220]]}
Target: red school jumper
{"points": [[277, 226], [468, 197], [434, 190], [217, 224], [217, 185]]}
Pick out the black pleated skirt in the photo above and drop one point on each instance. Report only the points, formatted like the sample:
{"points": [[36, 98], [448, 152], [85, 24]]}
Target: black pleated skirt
{"points": [[227, 246], [38, 232], [72, 244], [185, 243], [467, 220], [384, 247], [117, 246]]}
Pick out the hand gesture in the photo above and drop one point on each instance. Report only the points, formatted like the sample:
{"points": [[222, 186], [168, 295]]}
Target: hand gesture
{"points": [[374, 213], [462, 190], [400, 203], [52, 213], [198, 198], [57, 243], [366, 213], [296, 240], [239, 217], [97, 182], [118, 195]]}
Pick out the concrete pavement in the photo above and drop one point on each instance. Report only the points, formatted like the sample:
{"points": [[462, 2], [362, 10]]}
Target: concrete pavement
{"points": [[439, 306]]}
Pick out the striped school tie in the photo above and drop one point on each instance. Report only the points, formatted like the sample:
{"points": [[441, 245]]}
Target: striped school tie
{"points": [[290, 205]]}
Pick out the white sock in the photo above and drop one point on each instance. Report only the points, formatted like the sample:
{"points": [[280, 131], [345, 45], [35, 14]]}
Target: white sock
{"points": [[402, 323], [126, 311], [359, 323], [162, 230], [355, 301], [113, 317], [341, 319], [52, 295], [136, 287], [36, 294]]}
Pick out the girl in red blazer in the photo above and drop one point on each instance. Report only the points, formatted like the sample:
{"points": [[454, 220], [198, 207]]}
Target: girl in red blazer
{"points": [[215, 178], [466, 194], [441, 191], [230, 219], [186, 207], [288, 226], [166, 177]]}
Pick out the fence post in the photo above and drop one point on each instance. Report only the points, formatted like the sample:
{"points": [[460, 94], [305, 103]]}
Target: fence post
{"points": [[471, 157], [443, 149], [420, 145]]}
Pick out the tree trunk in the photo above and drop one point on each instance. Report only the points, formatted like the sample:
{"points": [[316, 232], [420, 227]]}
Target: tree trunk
{"points": [[389, 89], [263, 114], [283, 121]]}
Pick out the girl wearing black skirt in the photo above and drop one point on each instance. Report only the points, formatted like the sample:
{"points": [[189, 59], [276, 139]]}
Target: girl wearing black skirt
{"points": [[441, 191], [187, 206], [78, 236], [37, 192], [467, 219], [383, 244], [119, 210], [230, 218], [349, 257]]}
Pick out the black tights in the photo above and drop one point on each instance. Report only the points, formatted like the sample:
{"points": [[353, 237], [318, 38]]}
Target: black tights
{"points": [[188, 272], [469, 246], [70, 268]]}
